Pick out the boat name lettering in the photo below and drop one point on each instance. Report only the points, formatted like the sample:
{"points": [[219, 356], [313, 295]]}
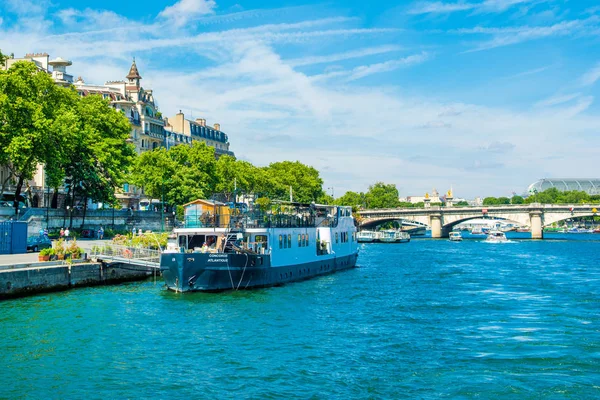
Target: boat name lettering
{"points": [[217, 258]]}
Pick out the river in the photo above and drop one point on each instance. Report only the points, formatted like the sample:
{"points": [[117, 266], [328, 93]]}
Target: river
{"points": [[427, 319]]}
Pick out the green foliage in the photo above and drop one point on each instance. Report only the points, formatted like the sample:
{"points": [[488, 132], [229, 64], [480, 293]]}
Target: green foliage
{"points": [[2, 59], [237, 175], [47, 252], [307, 185], [99, 156], [179, 175], [324, 198], [461, 203], [149, 240], [263, 203], [555, 196], [490, 201], [33, 111], [352, 199], [381, 195], [517, 200]]}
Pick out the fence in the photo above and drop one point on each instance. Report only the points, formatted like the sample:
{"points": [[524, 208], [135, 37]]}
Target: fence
{"points": [[127, 255]]}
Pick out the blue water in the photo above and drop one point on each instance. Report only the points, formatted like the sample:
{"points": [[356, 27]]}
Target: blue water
{"points": [[427, 319]]}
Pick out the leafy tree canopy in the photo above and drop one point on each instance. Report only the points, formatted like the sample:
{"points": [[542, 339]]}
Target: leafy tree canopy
{"points": [[381, 195], [33, 110]]}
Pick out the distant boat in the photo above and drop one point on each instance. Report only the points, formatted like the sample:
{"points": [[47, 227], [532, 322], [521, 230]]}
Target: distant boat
{"points": [[477, 231], [496, 237], [455, 236], [366, 236], [524, 229], [579, 230], [393, 236]]}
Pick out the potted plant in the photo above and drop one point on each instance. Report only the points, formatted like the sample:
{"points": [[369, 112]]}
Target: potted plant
{"points": [[59, 249], [45, 254]]}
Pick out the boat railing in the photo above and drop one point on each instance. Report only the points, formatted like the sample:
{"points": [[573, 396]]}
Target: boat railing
{"points": [[258, 220]]}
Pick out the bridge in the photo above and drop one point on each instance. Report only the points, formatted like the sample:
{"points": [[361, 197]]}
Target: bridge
{"points": [[441, 220]]}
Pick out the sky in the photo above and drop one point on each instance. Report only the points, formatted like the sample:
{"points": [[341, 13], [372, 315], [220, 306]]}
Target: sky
{"points": [[484, 96]]}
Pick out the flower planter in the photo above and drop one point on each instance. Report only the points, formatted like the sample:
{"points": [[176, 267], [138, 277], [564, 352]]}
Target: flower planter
{"points": [[60, 256]]}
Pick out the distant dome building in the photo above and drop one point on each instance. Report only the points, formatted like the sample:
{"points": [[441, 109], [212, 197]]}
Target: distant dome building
{"points": [[590, 186]]}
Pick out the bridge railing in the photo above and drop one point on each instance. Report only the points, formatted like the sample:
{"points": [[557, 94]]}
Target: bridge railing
{"points": [[127, 254]]}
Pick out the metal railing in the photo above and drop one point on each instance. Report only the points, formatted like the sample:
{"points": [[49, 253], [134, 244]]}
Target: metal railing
{"points": [[141, 256]]}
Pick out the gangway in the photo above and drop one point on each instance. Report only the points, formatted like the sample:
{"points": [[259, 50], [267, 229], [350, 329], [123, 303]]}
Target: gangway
{"points": [[138, 256]]}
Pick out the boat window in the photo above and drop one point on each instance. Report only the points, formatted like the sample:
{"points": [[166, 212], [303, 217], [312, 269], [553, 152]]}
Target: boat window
{"points": [[336, 237], [280, 242], [290, 240], [300, 240]]}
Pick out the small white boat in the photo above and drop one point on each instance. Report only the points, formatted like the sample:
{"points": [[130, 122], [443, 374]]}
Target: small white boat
{"points": [[455, 236], [496, 237], [366, 236]]}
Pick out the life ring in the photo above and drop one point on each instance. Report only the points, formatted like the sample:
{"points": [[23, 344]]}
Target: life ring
{"points": [[127, 253]]}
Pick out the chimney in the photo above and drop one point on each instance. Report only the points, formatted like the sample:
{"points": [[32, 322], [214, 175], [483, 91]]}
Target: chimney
{"points": [[218, 127], [199, 121]]}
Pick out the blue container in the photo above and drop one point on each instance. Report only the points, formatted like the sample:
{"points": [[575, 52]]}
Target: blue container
{"points": [[13, 237]]}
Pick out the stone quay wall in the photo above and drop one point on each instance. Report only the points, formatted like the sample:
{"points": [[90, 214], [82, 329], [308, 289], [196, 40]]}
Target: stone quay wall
{"points": [[29, 279]]}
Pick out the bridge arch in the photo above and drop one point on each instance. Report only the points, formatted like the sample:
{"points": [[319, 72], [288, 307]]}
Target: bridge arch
{"points": [[551, 218], [449, 226]]}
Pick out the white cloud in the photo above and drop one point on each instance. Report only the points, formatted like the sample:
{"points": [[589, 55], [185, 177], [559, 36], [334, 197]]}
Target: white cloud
{"points": [[592, 76], [487, 6], [387, 66], [556, 100], [371, 51], [27, 7], [514, 35], [184, 10]]}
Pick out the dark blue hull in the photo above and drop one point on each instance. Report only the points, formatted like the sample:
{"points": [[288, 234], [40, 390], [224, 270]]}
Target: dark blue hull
{"points": [[219, 272]]}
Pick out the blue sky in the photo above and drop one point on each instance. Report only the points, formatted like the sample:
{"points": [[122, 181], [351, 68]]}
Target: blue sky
{"points": [[485, 96]]}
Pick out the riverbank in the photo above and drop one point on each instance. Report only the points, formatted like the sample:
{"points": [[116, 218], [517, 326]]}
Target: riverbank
{"points": [[27, 279]]}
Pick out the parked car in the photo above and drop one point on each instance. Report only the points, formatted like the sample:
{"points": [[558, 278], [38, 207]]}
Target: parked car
{"points": [[37, 243]]}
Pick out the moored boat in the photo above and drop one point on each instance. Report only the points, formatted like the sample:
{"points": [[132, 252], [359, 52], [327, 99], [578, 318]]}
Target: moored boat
{"points": [[223, 249], [387, 236], [366, 236]]}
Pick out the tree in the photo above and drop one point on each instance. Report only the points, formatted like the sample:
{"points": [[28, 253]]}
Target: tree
{"points": [[2, 59], [31, 110], [516, 199], [351, 199], [237, 175], [490, 201], [381, 195], [306, 184], [179, 175], [99, 156], [503, 200]]}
